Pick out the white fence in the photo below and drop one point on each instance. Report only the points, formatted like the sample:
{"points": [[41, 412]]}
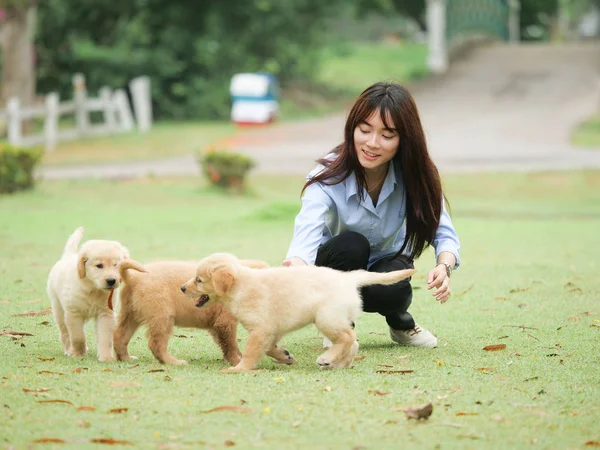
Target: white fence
{"points": [[116, 112]]}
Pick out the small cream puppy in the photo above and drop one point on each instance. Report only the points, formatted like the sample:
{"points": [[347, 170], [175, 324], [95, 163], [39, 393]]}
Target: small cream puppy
{"points": [[272, 302], [81, 286]]}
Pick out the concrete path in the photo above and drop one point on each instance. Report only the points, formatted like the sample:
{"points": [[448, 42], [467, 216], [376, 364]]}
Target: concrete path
{"points": [[501, 108]]}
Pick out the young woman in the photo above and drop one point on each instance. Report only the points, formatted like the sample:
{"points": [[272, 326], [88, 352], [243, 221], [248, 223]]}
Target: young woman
{"points": [[376, 203]]}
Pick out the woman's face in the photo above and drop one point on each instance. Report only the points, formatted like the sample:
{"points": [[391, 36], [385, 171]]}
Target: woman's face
{"points": [[375, 144]]}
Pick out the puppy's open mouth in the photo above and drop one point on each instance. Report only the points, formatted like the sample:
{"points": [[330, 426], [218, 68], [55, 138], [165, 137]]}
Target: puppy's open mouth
{"points": [[202, 300]]}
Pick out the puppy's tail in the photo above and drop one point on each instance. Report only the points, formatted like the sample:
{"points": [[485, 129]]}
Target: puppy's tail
{"points": [[364, 278], [73, 242], [127, 264]]}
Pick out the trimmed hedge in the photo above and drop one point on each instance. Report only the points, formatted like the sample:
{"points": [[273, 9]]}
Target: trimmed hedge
{"points": [[226, 169], [17, 167]]}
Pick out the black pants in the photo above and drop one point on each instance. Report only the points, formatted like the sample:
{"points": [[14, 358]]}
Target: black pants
{"points": [[350, 251]]}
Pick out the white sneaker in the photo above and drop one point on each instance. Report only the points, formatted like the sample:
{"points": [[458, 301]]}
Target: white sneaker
{"points": [[327, 343], [415, 337]]}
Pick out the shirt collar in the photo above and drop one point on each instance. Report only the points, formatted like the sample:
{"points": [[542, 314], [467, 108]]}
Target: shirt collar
{"points": [[389, 184]]}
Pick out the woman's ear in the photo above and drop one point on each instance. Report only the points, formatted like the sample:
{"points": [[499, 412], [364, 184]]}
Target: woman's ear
{"points": [[81, 265]]}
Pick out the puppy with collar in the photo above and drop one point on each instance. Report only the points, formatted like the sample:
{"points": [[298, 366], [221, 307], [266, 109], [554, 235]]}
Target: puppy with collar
{"points": [[81, 286]]}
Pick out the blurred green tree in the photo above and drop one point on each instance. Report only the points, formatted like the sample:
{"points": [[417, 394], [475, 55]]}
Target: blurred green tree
{"points": [[189, 49]]}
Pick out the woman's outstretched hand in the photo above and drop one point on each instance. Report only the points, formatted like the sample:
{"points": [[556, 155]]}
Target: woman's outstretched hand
{"points": [[438, 279], [293, 261]]}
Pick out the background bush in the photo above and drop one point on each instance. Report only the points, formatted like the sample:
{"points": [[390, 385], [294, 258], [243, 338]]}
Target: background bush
{"points": [[17, 166]]}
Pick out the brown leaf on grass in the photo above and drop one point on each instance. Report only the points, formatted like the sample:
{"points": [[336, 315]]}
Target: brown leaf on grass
{"points": [[378, 392], [359, 358], [395, 371], [418, 412], [230, 408], [135, 366], [592, 444], [79, 369], [56, 401], [110, 441], [575, 319], [229, 443], [41, 312], [50, 372], [45, 323], [156, 370], [107, 369], [123, 383], [86, 408], [501, 299], [467, 414], [49, 441], [494, 348], [35, 391], [118, 410], [485, 369], [14, 333], [465, 291], [45, 359]]}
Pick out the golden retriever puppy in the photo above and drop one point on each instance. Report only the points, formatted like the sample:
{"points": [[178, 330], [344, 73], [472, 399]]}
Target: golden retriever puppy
{"points": [[272, 302], [81, 286], [151, 296]]}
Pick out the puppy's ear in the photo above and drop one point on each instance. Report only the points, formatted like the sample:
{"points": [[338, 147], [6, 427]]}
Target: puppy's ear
{"points": [[81, 266], [222, 280]]}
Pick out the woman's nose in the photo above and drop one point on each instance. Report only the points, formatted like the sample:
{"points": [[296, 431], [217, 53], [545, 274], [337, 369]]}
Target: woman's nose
{"points": [[373, 141]]}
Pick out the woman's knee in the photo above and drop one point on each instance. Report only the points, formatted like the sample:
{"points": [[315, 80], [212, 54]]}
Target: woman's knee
{"points": [[347, 251]]}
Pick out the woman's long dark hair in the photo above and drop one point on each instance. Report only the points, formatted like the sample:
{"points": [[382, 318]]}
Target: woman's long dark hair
{"points": [[421, 177]]}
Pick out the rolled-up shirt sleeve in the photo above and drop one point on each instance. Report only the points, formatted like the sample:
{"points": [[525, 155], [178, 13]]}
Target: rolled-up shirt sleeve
{"points": [[446, 238], [310, 224]]}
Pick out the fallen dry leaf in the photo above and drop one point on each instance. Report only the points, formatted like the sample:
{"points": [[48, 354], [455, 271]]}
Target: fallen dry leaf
{"points": [[359, 358], [110, 441], [395, 371], [467, 414], [418, 412], [45, 323], [229, 443], [86, 408], [79, 369], [45, 359], [35, 391], [56, 401], [14, 333], [118, 410], [494, 348], [134, 366], [485, 369], [592, 444], [378, 392], [240, 409], [42, 312], [49, 441], [50, 372], [502, 299], [156, 370]]}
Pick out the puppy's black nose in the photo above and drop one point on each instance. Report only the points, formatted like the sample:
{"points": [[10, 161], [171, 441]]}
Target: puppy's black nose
{"points": [[183, 289], [111, 281]]}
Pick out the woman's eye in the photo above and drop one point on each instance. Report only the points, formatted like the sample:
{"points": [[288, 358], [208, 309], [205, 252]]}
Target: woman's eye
{"points": [[388, 137], [99, 266], [363, 131]]}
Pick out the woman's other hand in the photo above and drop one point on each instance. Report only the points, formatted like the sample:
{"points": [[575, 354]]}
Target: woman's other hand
{"points": [[293, 261]]}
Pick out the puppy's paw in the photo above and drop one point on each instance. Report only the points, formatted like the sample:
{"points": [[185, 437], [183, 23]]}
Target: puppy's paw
{"points": [[127, 358], [107, 358], [287, 358], [324, 362], [177, 362]]}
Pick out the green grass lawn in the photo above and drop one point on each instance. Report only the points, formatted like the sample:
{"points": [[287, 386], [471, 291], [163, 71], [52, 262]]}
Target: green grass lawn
{"points": [[528, 280], [587, 134]]}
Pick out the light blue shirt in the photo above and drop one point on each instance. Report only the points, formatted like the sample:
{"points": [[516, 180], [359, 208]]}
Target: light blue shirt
{"points": [[330, 210]]}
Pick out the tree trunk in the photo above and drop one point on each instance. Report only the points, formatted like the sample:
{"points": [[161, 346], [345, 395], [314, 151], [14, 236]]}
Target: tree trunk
{"points": [[18, 66]]}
